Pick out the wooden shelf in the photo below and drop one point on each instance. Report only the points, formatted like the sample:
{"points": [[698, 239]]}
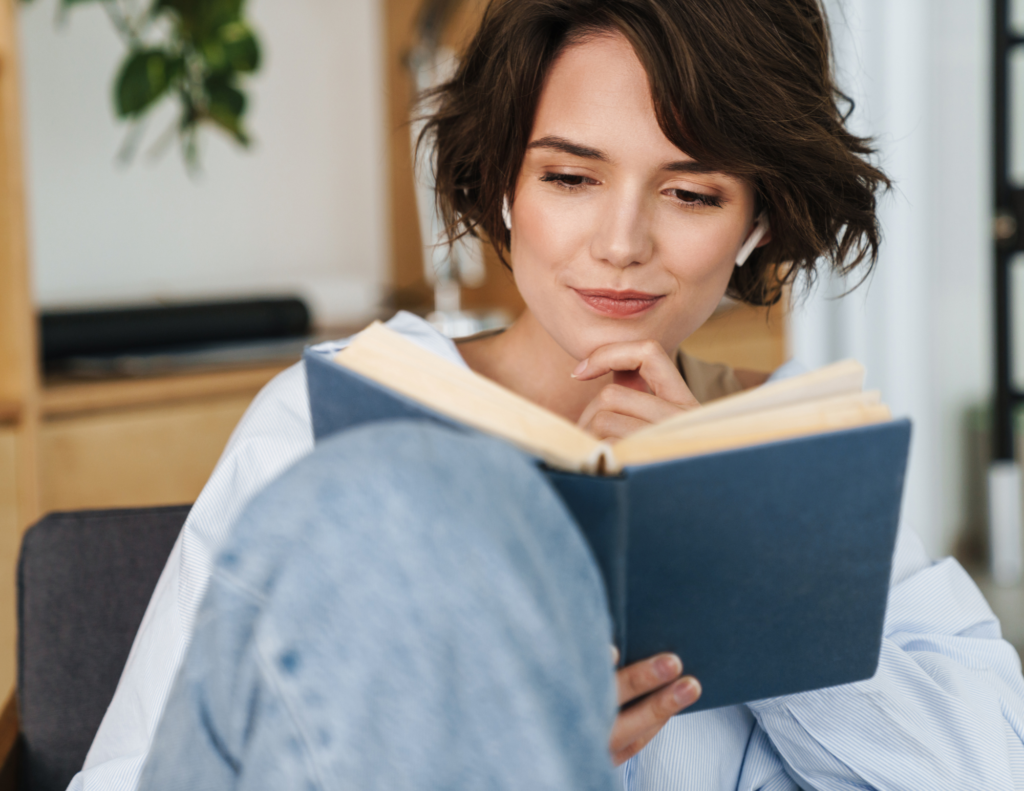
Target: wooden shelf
{"points": [[10, 413], [742, 336], [131, 442], [71, 397]]}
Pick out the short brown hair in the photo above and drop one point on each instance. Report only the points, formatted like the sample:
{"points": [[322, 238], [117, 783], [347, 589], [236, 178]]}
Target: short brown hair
{"points": [[744, 86]]}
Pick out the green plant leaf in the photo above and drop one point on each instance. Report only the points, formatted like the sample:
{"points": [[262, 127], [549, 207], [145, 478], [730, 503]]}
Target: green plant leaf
{"points": [[203, 17], [240, 46], [215, 55], [204, 46], [145, 76], [227, 106], [224, 94]]}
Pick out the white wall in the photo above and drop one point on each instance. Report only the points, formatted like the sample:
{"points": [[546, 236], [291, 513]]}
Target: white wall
{"points": [[920, 72], [303, 210]]}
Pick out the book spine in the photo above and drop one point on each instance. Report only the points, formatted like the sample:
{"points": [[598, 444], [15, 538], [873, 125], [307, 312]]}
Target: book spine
{"points": [[602, 461]]}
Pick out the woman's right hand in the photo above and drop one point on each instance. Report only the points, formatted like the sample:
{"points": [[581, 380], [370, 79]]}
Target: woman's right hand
{"points": [[667, 694], [647, 388]]}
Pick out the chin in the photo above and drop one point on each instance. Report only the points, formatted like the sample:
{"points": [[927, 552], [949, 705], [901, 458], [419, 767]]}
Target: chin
{"points": [[582, 341]]}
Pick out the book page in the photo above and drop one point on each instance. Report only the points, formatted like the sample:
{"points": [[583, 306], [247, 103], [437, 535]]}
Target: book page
{"points": [[840, 378], [796, 420], [389, 359]]}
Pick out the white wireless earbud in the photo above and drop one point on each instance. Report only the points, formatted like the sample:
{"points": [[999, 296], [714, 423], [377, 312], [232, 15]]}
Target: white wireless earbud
{"points": [[506, 214], [761, 227]]}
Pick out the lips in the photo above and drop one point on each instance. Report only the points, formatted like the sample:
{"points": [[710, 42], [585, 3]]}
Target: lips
{"points": [[618, 304]]}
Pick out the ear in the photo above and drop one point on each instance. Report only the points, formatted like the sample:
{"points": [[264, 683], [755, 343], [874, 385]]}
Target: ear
{"points": [[760, 235]]}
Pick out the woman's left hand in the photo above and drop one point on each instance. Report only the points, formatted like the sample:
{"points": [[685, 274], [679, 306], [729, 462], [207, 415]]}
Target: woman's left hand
{"points": [[647, 388], [650, 693]]}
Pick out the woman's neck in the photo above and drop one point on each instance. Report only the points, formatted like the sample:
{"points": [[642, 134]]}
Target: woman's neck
{"points": [[528, 361]]}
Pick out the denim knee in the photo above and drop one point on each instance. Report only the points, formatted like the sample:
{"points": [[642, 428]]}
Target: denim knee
{"points": [[414, 594], [422, 477]]}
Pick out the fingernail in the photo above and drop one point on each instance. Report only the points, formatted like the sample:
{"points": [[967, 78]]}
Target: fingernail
{"points": [[579, 369], [668, 667], [686, 692]]}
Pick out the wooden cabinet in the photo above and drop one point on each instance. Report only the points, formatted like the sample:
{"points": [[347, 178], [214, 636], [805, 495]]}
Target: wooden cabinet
{"points": [[10, 534], [127, 443], [19, 381]]}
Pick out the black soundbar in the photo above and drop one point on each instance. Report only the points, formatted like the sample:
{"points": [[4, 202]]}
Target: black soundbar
{"points": [[86, 333]]}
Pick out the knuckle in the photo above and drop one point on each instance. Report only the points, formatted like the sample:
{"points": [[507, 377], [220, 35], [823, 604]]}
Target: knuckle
{"points": [[651, 679], [611, 395], [639, 744], [603, 421], [633, 681], [665, 706], [624, 755], [641, 680], [650, 348]]}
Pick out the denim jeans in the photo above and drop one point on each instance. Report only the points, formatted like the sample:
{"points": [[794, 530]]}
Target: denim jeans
{"points": [[409, 607]]}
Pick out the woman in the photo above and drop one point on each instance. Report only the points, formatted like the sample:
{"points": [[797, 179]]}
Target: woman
{"points": [[626, 157]]}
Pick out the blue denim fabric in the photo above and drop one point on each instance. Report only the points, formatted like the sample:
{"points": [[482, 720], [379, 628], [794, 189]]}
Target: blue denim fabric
{"points": [[409, 607]]}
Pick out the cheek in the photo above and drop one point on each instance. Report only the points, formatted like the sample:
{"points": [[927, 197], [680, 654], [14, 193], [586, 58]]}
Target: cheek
{"points": [[549, 231], [701, 262], [702, 253], [548, 239]]}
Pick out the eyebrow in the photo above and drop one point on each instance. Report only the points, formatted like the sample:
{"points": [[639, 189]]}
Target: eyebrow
{"points": [[555, 143], [689, 166]]}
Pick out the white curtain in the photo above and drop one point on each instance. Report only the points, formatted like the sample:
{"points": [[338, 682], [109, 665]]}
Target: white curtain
{"points": [[919, 73]]}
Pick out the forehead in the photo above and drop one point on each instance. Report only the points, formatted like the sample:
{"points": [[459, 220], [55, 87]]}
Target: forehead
{"points": [[597, 94]]}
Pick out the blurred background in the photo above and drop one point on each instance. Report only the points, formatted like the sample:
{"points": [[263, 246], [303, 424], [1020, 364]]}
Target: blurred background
{"points": [[106, 220]]}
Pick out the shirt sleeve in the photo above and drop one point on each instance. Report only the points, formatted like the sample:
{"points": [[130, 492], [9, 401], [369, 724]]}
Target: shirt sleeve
{"points": [[944, 710], [274, 433]]}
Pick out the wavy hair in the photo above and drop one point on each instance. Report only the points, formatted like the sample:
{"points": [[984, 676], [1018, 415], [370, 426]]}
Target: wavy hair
{"points": [[743, 86]]}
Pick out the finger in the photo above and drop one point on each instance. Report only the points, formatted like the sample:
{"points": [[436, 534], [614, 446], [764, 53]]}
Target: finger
{"points": [[609, 425], [624, 401], [627, 752], [640, 722], [647, 675], [615, 656], [632, 380], [649, 359], [630, 750]]}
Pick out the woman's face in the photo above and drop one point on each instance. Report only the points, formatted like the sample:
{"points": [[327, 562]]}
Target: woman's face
{"points": [[617, 235]]}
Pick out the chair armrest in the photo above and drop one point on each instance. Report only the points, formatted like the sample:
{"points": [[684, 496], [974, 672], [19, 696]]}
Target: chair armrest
{"points": [[10, 751]]}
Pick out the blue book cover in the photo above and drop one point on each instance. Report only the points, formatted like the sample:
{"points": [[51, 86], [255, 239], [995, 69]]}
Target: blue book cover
{"points": [[765, 568]]}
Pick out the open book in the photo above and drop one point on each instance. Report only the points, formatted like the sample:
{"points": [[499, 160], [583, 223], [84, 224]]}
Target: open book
{"points": [[753, 536], [828, 399]]}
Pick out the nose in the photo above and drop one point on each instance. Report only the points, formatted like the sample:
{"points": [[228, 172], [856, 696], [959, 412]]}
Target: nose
{"points": [[622, 235]]}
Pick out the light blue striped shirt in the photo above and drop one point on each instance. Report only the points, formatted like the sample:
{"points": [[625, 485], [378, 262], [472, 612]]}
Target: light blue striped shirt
{"points": [[944, 711]]}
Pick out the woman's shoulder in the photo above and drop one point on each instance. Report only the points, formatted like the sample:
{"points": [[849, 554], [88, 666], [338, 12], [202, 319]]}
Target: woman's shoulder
{"points": [[413, 328], [708, 381]]}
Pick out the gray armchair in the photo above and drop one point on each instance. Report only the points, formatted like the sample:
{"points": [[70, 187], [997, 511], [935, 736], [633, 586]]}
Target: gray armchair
{"points": [[84, 580]]}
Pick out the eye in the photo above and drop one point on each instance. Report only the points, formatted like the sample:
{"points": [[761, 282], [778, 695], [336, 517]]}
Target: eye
{"points": [[695, 199], [568, 181]]}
